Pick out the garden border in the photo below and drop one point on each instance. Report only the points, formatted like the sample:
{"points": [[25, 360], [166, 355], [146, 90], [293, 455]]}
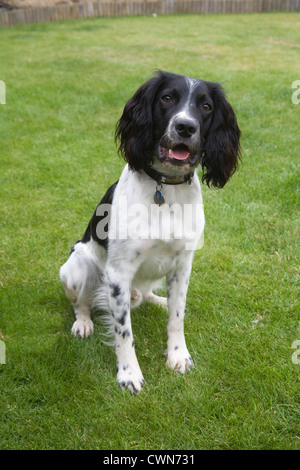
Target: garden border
{"points": [[106, 8]]}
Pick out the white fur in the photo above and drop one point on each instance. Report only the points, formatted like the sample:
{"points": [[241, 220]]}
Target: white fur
{"points": [[137, 266], [148, 243]]}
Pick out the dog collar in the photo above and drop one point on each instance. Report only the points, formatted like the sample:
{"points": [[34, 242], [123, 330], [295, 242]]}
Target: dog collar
{"points": [[163, 179]]}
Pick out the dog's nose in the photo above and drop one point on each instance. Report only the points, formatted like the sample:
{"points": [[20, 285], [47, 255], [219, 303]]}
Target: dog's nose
{"points": [[186, 127]]}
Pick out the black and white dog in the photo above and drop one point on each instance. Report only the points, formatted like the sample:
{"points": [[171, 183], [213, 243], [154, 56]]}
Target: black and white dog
{"points": [[149, 223]]}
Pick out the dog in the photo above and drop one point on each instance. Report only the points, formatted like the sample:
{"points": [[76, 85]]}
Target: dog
{"points": [[171, 125]]}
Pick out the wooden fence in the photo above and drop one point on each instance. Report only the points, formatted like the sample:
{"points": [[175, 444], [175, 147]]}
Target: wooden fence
{"points": [[106, 8]]}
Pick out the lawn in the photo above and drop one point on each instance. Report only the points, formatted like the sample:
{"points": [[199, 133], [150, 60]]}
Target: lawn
{"points": [[66, 85]]}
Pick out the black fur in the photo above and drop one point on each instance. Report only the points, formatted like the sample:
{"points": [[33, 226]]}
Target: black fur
{"points": [[142, 120], [91, 228], [222, 142], [135, 127]]}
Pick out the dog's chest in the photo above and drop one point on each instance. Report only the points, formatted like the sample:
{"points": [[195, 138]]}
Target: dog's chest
{"points": [[154, 235], [181, 217], [158, 257]]}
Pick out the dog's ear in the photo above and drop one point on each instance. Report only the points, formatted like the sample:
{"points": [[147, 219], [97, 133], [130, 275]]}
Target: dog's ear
{"points": [[134, 129], [222, 142]]}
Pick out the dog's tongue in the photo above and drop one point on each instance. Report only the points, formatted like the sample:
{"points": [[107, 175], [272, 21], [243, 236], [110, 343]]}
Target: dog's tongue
{"points": [[180, 153]]}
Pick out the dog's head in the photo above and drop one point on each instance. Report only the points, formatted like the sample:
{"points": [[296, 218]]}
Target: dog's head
{"points": [[173, 123]]}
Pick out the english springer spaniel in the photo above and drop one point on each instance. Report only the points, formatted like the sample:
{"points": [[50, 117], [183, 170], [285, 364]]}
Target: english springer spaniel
{"points": [[150, 222]]}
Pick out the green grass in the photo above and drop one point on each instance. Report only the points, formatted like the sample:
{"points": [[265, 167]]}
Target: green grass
{"points": [[66, 85]]}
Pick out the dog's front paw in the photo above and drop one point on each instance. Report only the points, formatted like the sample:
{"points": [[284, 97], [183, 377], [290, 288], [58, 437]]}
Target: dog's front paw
{"points": [[180, 360], [83, 328], [130, 378]]}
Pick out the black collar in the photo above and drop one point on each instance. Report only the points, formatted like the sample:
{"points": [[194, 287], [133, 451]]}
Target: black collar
{"points": [[160, 178]]}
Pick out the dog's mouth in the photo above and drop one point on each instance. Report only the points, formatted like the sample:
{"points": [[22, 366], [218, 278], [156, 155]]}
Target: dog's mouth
{"points": [[179, 155]]}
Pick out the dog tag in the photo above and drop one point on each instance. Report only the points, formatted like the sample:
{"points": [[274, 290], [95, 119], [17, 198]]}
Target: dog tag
{"points": [[158, 197]]}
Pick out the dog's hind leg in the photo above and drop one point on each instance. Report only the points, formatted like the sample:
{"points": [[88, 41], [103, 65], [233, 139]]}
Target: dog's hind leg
{"points": [[80, 277]]}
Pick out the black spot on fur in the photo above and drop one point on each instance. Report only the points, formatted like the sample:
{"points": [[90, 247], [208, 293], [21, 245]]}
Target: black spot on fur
{"points": [[115, 290], [123, 317], [125, 334], [118, 330]]}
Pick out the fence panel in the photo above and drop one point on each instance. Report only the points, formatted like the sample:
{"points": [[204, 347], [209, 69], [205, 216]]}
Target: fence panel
{"points": [[104, 8]]}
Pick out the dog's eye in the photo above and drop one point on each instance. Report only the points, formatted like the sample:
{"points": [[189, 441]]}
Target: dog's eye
{"points": [[166, 99], [206, 107]]}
